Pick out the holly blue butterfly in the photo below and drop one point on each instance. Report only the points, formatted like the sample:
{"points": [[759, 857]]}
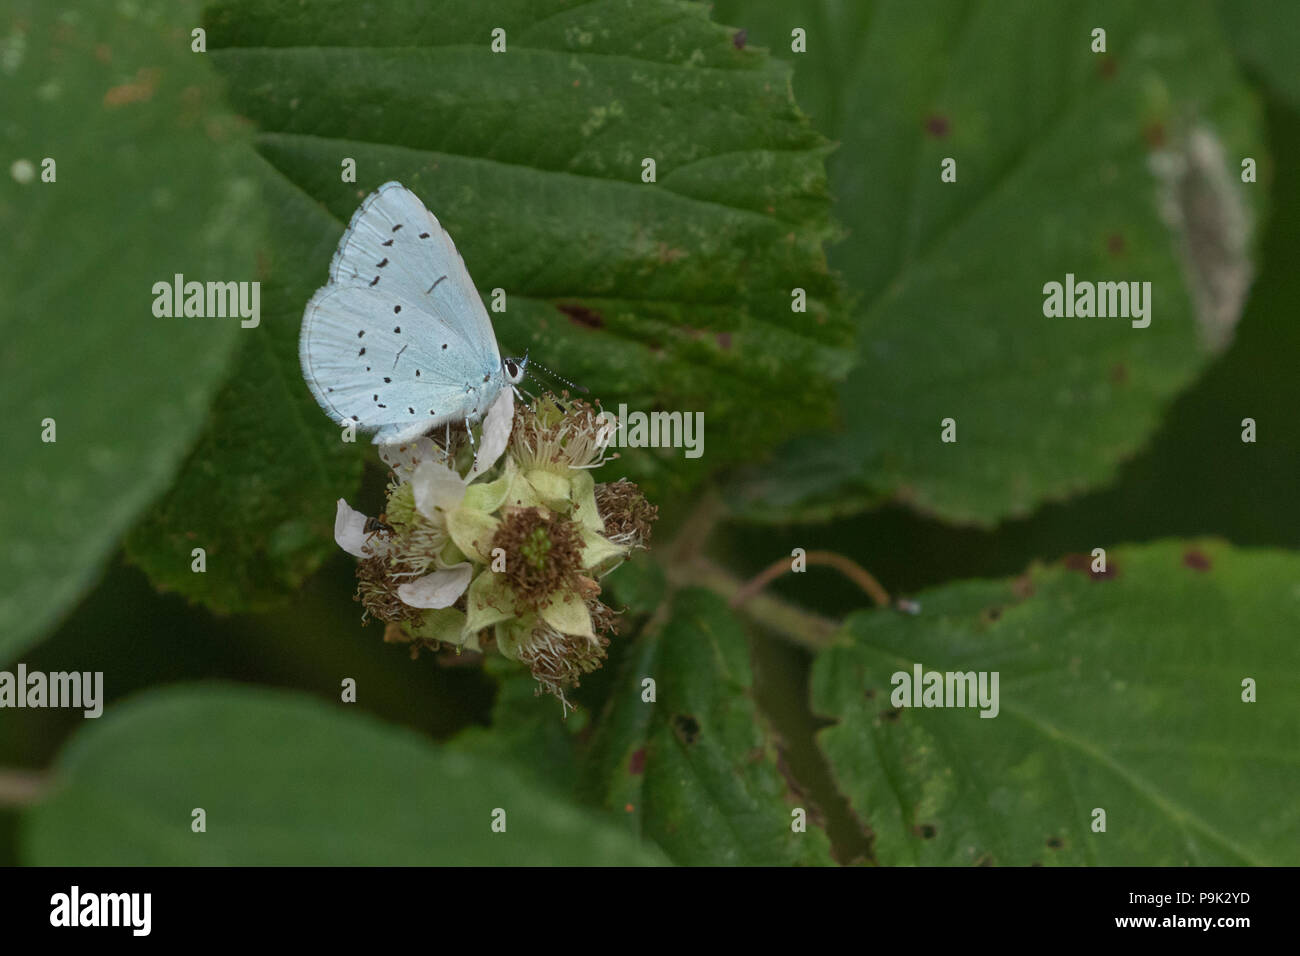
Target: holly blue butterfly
{"points": [[399, 341]]}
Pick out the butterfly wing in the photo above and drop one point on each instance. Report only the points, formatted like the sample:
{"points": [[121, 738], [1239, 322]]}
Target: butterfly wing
{"points": [[393, 226], [399, 341]]}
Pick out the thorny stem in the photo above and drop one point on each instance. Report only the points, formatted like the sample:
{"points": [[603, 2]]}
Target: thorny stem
{"points": [[21, 788], [846, 566]]}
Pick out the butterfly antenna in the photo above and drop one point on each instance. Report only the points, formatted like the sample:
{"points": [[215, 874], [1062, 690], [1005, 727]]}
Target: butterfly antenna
{"points": [[560, 378]]}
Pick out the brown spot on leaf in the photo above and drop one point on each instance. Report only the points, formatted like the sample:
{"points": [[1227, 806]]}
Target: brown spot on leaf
{"points": [[146, 82], [724, 341], [891, 714], [1197, 560], [926, 831], [1108, 67], [1154, 134], [936, 125], [1023, 587], [1083, 563], [687, 728], [667, 254], [1055, 843], [581, 315], [1119, 373], [738, 39], [1115, 244], [636, 765]]}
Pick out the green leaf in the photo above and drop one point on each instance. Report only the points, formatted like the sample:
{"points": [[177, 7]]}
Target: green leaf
{"points": [[1063, 159], [528, 731], [152, 179], [286, 779], [671, 295], [1263, 33], [636, 587], [258, 492], [696, 770], [1120, 691]]}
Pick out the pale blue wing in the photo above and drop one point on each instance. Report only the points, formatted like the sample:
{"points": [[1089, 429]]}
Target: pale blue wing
{"points": [[399, 340], [394, 239], [371, 357]]}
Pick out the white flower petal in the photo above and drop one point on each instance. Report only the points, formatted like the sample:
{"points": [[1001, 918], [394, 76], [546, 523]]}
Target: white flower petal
{"points": [[439, 589], [436, 486], [350, 530], [405, 457], [496, 431]]}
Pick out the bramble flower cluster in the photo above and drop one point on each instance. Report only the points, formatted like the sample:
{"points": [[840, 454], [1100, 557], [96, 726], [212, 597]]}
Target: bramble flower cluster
{"points": [[502, 545]]}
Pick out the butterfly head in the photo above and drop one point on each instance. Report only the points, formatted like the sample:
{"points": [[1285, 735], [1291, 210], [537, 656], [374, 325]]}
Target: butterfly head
{"points": [[514, 369]]}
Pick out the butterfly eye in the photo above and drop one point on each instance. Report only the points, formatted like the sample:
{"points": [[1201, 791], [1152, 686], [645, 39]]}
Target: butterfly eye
{"points": [[513, 372]]}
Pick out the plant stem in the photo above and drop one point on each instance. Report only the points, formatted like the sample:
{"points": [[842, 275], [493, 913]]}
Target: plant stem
{"points": [[685, 566], [789, 622], [696, 530], [21, 788], [846, 566]]}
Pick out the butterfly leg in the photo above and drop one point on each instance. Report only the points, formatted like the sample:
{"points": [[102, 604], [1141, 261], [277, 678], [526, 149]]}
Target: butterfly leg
{"points": [[470, 432]]}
